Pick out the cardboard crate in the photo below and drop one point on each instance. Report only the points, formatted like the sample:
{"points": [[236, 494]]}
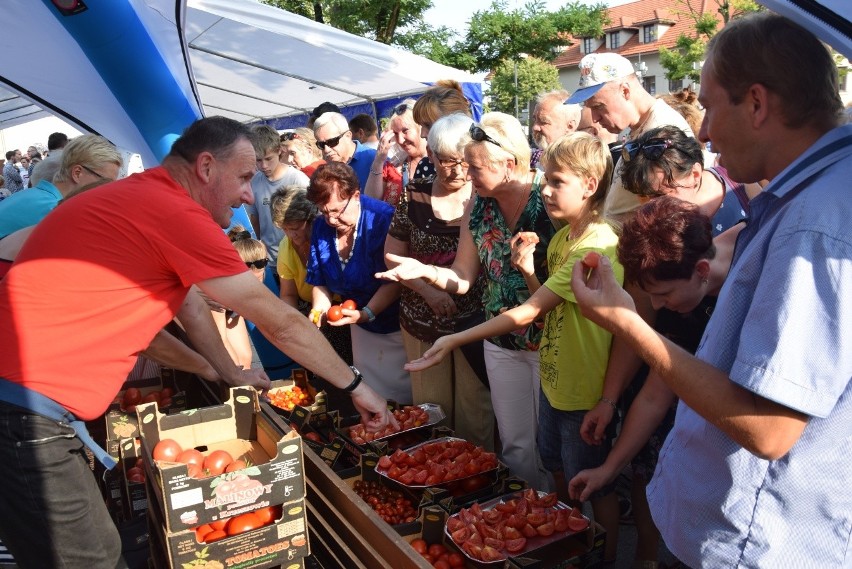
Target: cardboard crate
{"points": [[122, 424], [299, 378], [135, 497], [283, 543], [275, 475]]}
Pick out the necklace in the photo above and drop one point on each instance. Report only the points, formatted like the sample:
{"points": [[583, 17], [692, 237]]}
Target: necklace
{"points": [[343, 262], [524, 194]]}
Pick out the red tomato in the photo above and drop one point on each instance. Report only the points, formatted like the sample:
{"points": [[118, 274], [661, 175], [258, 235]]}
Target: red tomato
{"points": [[194, 471], [202, 531], [436, 550], [456, 560], [334, 313], [215, 535], [191, 456], [268, 514], [216, 462], [441, 564], [349, 305], [592, 259], [167, 449], [135, 474], [313, 437], [420, 546], [219, 524], [164, 403], [131, 396], [243, 523], [151, 398], [166, 393], [238, 464]]}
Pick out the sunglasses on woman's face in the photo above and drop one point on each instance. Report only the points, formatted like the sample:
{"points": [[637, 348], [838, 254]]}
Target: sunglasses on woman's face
{"points": [[652, 149], [259, 264], [331, 142], [479, 135]]}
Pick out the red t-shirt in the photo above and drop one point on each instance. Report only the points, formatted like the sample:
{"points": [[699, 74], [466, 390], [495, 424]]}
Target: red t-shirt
{"points": [[97, 279]]}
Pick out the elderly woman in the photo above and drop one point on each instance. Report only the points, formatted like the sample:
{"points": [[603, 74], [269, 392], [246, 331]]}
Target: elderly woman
{"points": [[665, 161], [300, 150], [388, 179], [347, 248], [508, 202], [667, 248], [426, 226]]}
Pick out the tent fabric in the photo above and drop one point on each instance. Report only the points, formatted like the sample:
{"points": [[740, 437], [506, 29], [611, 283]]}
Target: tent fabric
{"points": [[829, 20]]}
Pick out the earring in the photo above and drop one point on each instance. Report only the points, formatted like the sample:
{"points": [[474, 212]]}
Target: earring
{"points": [[704, 281], [506, 178]]}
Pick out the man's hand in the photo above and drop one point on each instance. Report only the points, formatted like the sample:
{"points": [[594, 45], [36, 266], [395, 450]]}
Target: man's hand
{"points": [[587, 482], [253, 377], [600, 297], [374, 411], [595, 423]]}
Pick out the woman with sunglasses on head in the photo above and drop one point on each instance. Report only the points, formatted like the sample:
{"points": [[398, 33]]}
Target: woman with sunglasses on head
{"points": [[666, 161], [508, 202], [426, 226], [300, 150], [667, 248], [389, 175], [347, 249]]}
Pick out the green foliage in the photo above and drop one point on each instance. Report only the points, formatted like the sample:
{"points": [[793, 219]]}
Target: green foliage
{"points": [[534, 76]]}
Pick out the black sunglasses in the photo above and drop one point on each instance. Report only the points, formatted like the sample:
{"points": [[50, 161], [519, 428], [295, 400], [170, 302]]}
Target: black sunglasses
{"points": [[259, 264], [331, 142], [288, 136], [479, 135], [652, 149], [401, 108]]}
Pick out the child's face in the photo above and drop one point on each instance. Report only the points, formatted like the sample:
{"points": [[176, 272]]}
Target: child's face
{"points": [[269, 162], [565, 194]]}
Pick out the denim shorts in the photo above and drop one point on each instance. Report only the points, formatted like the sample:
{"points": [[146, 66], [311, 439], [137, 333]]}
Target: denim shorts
{"points": [[563, 449]]}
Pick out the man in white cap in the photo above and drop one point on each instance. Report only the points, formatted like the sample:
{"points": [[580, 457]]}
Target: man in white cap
{"points": [[610, 88]]}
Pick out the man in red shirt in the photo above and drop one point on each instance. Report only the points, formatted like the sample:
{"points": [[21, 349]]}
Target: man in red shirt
{"points": [[94, 283]]}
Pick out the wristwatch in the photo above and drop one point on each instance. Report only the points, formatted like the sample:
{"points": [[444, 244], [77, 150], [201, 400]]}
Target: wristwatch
{"points": [[355, 382]]}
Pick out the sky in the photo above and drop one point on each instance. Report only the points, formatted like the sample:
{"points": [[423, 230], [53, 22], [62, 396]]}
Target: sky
{"points": [[456, 13]]}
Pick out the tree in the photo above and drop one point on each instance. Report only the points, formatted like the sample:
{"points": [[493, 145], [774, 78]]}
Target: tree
{"points": [[534, 76], [682, 61], [496, 35]]}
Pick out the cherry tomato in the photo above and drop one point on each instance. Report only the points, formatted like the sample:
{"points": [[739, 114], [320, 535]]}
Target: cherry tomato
{"points": [[349, 305], [334, 313], [420, 546], [243, 523], [436, 550], [456, 560], [216, 462], [168, 450], [441, 564], [592, 259]]}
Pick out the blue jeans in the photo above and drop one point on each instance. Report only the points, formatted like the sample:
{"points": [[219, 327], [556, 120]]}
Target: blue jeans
{"points": [[562, 447], [53, 513]]}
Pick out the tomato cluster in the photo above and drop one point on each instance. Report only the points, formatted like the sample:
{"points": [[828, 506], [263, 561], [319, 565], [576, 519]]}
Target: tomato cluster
{"points": [[133, 397], [214, 531], [134, 471], [437, 462], [391, 505], [409, 417], [335, 311], [197, 464], [491, 535], [438, 555], [288, 397]]}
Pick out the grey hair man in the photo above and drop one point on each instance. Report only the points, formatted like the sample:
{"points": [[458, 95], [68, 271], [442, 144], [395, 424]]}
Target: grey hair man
{"points": [[335, 140]]}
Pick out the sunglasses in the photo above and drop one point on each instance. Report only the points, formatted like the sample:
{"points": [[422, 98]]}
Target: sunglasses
{"points": [[652, 149], [95, 174], [331, 142], [479, 135], [259, 264], [288, 136], [401, 108]]}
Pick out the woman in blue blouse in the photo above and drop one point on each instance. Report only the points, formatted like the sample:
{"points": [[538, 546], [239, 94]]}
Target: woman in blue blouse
{"points": [[347, 249]]}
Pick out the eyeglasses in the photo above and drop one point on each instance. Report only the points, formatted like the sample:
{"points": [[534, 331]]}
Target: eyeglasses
{"points": [[259, 264], [288, 136], [331, 142], [401, 108], [95, 174], [336, 214], [652, 149], [450, 163], [479, 135]]}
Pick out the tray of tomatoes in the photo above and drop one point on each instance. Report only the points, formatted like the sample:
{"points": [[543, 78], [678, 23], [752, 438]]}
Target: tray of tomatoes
{"points": [[409, 417], [287, 398], [512, 525], [437, 462]]}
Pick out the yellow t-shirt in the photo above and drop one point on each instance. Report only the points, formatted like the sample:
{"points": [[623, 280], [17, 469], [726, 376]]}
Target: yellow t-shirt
{"points": [[574, 351], [290, 267]]}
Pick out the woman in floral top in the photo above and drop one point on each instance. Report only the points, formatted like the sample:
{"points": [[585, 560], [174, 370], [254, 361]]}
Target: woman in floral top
{"points": [[426, 226], [508, 202]]}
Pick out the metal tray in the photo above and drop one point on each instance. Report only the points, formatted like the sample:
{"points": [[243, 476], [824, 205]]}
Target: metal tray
{"points": [[489, 472], [436, 415]]}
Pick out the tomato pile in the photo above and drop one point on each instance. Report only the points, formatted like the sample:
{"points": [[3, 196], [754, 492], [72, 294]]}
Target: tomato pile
{"points": [[214, 531], [391, 505], [133, 397], [198, 465], [490, 535], [135, 473], [433, 463], [409, 417], [438, 555], [287, 398]]}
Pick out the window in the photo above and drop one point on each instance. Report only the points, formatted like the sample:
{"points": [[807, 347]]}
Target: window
{"points": [[649, 34], [650, 84], [675, 85], [588, 45], [614, 41]]}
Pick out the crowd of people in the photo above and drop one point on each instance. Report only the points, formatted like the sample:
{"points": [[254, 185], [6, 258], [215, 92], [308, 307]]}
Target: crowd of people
{"points": [[537, 293]]}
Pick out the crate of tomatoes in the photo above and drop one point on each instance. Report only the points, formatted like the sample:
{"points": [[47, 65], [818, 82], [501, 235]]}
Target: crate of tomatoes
{"points": [[121, 415]]}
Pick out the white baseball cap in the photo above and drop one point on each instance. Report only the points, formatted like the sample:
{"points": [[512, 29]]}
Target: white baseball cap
{"points": [[596, 69]]}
